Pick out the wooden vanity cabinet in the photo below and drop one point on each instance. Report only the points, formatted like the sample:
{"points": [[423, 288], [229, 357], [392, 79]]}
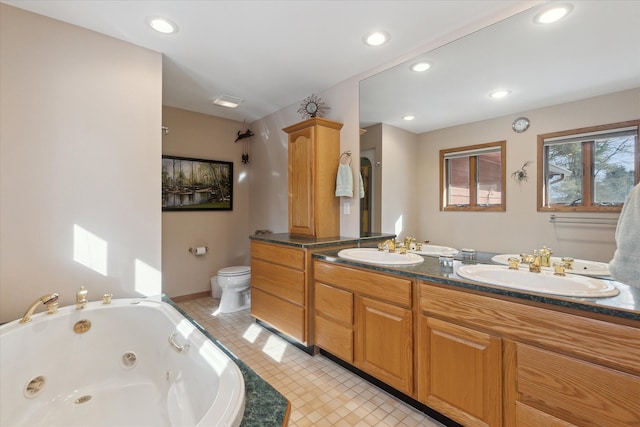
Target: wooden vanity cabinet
{"points": [[281, 286], [366, 319], [278, 288], [314, 151], [557, 368], [481, 359]]}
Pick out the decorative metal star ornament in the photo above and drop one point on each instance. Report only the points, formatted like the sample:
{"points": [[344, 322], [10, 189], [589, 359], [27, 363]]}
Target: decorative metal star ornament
{"points": [[312, 106], [521, 174]]}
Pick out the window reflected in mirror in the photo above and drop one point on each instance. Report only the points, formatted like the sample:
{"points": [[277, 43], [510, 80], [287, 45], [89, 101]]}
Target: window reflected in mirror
{"points": [[588, 169], [473, 177]]}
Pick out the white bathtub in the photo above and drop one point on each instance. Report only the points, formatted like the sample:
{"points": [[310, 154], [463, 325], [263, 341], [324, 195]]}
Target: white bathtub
{"points": [[123, 371]]}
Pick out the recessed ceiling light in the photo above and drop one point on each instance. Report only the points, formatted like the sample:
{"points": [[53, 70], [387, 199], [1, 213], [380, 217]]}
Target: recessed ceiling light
{"points": [[501, 93], [227, 101], [552, 14], [163, 26], [420, 66], [408, 118], [376, 38]]}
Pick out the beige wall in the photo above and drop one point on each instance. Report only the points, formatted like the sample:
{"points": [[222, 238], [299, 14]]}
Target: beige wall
{"points": [[225, 233], [399, 184], [269, 185], [80, 117], [521, 228]]}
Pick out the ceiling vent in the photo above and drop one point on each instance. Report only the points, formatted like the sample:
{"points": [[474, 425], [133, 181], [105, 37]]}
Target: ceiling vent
{"points": [[227, 101]]}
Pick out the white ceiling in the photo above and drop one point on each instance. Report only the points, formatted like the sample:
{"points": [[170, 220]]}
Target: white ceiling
{"points": [[271, 53], [594, 51]]}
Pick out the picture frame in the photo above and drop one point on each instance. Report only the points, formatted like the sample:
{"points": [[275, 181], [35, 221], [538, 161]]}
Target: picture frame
{"points": [[190, 184]]}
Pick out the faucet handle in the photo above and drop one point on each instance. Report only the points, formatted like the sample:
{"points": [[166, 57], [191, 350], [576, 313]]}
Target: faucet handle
{"points": [[513, 263], [568, 262], [52, 307], [558, 268], [106, 298], [81, 298]]}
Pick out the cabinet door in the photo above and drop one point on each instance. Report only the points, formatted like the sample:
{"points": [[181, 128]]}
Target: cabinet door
{"points": [[301, 191], [460, 372], [384, 343]]}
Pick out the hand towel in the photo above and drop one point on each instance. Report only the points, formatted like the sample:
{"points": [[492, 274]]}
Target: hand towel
{"points": [[625, 265], [344, 181], [361, 187]]}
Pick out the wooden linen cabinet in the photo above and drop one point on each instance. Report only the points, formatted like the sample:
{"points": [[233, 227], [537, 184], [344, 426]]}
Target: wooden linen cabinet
{"points": [[314, 151]]}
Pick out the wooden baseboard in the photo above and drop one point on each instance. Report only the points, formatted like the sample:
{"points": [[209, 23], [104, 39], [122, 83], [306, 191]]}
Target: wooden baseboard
{"points": [[183, 298]]}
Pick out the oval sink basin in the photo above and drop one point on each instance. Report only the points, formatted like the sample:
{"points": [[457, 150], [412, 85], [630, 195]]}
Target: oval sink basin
{"points": [[580, 266], [544, 282], [435, 250], [374, 256]]}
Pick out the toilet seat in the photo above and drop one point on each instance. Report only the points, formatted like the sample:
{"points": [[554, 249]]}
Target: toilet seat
{"points": [[239, 270]]}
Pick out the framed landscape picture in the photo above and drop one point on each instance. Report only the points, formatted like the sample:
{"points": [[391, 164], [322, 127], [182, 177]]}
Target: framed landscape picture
{"points": [[196, 184]]}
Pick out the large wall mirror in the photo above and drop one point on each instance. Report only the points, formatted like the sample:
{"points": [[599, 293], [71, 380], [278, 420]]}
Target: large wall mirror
{"points": [[593, 51]]}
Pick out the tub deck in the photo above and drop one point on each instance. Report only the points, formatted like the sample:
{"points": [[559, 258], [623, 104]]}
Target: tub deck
{"points": [[264, 405]]}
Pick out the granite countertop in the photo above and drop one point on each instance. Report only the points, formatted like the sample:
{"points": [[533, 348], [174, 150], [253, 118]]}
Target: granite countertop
{"points": [[310, 242], [625, 305], [264, 405]]}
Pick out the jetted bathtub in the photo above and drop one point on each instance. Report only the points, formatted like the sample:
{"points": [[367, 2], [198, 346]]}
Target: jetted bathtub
{"points": [[138, 362]]}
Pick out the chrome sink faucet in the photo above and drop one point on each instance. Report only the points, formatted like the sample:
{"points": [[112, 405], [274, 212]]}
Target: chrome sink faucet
{"points": [[50, 300]]}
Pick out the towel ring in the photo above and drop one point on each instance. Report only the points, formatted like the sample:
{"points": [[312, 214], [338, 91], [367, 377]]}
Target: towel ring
{"points": [[346, 153]]}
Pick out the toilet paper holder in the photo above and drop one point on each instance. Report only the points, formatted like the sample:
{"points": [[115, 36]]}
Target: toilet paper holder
{"points": [[199, 250]]}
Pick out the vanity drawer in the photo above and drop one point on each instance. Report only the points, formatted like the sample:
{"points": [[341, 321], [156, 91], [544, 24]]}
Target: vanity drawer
{"points": [[333, 303], [284, 316], [609, 344], [392, 289], [278, 254], [335, 338], [574, 390], [284, 282]]}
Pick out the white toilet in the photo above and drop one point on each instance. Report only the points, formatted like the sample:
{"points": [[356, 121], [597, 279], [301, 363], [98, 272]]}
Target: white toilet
{"points": [[235, 283]]}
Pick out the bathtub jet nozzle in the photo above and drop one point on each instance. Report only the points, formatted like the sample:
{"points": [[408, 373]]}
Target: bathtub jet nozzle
{"points": [[47, 300]]}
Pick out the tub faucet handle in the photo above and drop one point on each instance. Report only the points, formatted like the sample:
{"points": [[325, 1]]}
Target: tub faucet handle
{"points": [[52, 307], [81, 298]]}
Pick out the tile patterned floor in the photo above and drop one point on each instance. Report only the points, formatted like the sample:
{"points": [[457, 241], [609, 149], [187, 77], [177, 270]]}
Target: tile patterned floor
{"points": [[321, 392]]}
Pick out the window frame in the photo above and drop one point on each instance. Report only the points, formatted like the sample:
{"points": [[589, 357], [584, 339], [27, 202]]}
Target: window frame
{"points": [[473, 206], [587, 164]]}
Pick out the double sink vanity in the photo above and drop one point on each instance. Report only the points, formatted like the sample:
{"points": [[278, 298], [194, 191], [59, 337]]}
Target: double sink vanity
{"points": [[480, 354], [477, 342]]}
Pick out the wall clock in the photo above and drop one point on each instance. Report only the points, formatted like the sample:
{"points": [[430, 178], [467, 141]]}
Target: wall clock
{"points": [[312, 106], [520, 124]]}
